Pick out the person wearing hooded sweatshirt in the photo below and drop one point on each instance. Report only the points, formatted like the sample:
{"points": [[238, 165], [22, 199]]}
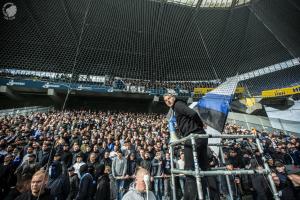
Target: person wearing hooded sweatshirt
{"points": [[86, 184], [58, 183], [138, 190]]}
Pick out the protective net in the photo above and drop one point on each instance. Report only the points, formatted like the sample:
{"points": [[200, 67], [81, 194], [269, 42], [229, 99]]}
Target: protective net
{"points": [[180, 44]]}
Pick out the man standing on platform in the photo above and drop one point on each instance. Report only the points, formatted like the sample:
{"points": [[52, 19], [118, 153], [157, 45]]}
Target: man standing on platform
{"points": [[188, 121]]}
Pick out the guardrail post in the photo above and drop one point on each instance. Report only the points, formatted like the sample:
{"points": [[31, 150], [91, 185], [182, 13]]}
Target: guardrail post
{"points": [[266, 166], [172, 174], [226, 177], [197, 172]]}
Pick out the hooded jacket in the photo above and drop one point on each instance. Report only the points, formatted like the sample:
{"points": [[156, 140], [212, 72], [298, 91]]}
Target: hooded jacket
{"points": [[133, 194]]}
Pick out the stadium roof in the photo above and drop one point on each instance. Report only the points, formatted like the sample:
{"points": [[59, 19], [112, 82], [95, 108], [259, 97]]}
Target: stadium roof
{"points": [[146, 39]]}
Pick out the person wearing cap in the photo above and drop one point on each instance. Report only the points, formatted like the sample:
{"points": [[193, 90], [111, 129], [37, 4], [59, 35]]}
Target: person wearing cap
{"points": [[74, 183], [79, 162]]}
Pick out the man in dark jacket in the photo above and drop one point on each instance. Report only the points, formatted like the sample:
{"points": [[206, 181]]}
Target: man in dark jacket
{"points": [[103, 185], [292, 189], [131, 169], [66, 156], [86, 185], [44, 156], [188, 121], [106, 161], [38, 191], [74, 183], [93, 162], [146, 162], [6, 175]]}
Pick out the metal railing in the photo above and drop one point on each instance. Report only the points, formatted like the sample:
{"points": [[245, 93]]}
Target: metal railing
{"points": [[198, 174]]}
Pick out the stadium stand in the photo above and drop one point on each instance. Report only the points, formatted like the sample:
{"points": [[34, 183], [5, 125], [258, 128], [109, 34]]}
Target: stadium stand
{"points": [[81, 88], [33, 141]]}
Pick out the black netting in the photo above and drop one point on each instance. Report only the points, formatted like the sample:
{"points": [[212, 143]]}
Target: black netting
{"points": [[150, 40]]}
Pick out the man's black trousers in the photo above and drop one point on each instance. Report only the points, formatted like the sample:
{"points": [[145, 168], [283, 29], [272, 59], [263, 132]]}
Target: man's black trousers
{"points": [[190, 190]]}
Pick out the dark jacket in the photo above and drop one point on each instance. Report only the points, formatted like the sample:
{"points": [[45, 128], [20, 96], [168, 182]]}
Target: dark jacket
{"points": [[131, 167], [106, 162], [28, 196], [86, 187], [146, 164], [58, 183], [167, 167], [290, 192], [44, 157], [74, 186], [260, 186], [67, 158], [27, 169], [13, 194], [188, 120], [103, 188], [236, 161], [7, 177]]}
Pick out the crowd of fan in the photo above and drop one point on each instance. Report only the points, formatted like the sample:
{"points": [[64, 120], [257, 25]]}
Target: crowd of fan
{"points": [[282, 153], [94, 155]]}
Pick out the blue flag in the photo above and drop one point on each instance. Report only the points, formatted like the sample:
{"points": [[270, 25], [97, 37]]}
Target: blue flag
{"points": [[214, 106]]}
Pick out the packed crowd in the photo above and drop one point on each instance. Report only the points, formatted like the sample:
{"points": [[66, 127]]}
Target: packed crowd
{"points": [[95, 155], [282, 153]]}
